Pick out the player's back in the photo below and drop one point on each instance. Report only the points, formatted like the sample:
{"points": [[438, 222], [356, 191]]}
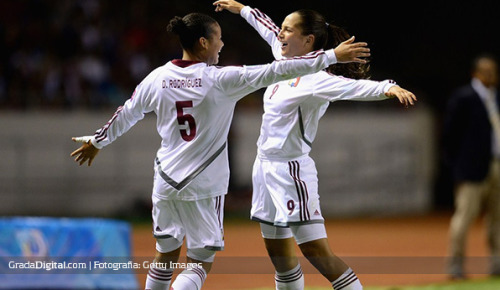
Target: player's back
{"points": [[193, 117]]}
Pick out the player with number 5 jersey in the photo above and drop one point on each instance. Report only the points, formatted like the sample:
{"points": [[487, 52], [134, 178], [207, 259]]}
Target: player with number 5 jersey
{"points": [[194, 103]]}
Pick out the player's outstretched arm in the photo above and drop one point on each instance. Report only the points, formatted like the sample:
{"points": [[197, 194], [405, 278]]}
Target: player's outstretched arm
{"points": [[229, 5], [405, 97], [87, 152]]}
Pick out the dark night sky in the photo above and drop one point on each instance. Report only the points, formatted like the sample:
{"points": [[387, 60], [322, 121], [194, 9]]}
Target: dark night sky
{"points": [[426, 47]]}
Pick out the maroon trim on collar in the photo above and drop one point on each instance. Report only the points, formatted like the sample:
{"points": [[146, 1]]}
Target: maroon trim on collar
{"points": [[184, 63]]}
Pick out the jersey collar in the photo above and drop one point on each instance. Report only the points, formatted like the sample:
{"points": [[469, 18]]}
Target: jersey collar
{"points": [[184, 63]]}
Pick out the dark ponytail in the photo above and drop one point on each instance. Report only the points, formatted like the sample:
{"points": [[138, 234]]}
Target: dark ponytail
{"points": [[328, 36], [191, 27], [353, 70]]}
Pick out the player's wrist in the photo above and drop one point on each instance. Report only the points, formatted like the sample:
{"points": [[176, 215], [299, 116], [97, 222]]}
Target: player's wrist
{"points": [[239, 7], [245, 10], [94, 143], [332, 56], [387, 88]]}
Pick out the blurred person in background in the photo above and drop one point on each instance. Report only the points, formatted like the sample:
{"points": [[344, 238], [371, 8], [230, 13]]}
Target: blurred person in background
{"points": [[472, 148], [194, 101], [285, 199]]}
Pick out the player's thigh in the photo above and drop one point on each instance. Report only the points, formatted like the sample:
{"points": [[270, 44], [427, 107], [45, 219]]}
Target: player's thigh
{"points": [[293, 186], [168, 228], [203, 221], [263, 208]]}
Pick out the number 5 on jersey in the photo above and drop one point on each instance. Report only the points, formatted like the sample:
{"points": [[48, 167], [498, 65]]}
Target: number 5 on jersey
{"points": [[183, 118]]}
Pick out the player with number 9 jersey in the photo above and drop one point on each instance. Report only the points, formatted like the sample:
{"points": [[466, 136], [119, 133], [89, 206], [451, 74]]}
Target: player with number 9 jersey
{"points": [[285, 198]]}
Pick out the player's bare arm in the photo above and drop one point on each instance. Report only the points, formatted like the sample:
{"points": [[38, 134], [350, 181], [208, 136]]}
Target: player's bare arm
{"points": [[405, 97], [86, 152]]}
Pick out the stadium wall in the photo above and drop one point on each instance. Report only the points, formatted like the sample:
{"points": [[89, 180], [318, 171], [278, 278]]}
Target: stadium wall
{"points": [[369, 162]]}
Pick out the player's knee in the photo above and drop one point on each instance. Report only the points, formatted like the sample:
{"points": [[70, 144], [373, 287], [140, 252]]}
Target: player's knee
{"points": [[201, 254], [309, 249], [316, 248], [165, 246]]}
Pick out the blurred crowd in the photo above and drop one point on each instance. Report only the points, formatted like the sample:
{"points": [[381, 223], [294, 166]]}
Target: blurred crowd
{"points": [[77, 54], [90, 54]]}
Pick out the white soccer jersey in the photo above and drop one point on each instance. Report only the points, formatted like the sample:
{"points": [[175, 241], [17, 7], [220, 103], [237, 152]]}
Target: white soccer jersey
{"points": [[194, 104], [292, 108]]}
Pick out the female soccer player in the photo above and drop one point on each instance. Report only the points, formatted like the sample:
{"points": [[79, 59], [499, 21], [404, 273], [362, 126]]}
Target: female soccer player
{"points": [[285, 186], [194, 103]]}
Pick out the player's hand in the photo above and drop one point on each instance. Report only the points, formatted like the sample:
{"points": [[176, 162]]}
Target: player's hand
{"points": [[350, 51], [87, 152], [229, 5], [405, 97]]}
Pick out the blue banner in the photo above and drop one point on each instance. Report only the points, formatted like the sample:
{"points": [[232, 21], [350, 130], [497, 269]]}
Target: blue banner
{"points": [[65, 253]]}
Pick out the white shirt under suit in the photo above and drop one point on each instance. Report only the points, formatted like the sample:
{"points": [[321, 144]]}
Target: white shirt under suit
{"points": [[284, 174]]}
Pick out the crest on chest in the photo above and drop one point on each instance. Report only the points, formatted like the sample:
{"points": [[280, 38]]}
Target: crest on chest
{"points": [[293, 83]]}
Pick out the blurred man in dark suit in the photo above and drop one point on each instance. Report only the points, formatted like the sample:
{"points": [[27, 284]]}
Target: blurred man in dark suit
{"points": [[472, 146]]}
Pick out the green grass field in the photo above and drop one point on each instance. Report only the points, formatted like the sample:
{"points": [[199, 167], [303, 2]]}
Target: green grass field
{"points": [[487, 284]]}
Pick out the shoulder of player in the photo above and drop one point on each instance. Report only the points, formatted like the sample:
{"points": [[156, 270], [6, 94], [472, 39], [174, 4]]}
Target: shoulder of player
{"points": [[226, 67], [155, 72], [328, 75], [321, 77], [217, 72]]}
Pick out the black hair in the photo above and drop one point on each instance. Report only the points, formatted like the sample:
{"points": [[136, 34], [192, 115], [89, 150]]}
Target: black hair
{"points": [[191, 27], [328, 36]]}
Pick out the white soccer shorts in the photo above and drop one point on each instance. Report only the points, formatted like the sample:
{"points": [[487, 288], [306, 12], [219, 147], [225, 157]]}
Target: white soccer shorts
{"points": [[285, 192], [199, 221]]}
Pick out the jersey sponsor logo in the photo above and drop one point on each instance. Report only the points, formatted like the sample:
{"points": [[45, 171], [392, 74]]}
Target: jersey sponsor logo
{"points": [[181, 84], [294, 83]]}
